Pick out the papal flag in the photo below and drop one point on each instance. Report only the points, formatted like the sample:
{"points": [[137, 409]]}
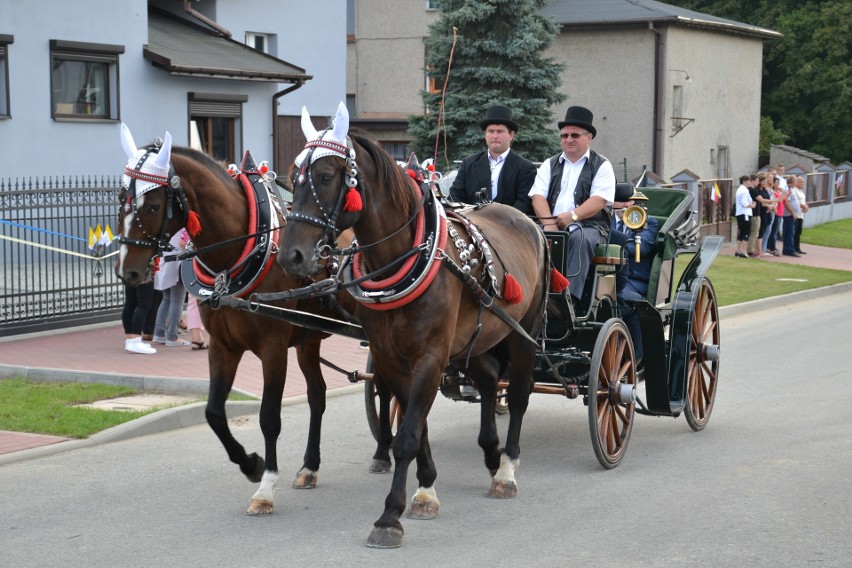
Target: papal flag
{"points": [[92, 239], [106, 237], [716, 194]]}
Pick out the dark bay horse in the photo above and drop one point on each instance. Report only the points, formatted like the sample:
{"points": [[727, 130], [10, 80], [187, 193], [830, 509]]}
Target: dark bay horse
{"points": [[167, 188], [423, 291]]}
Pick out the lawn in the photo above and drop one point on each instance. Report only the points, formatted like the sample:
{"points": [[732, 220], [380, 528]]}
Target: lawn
{"points": [[48, 408], [837, 234]]}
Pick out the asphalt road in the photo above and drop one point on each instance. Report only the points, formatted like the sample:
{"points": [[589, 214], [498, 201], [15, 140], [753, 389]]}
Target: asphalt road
{"points": [[766, 484]]}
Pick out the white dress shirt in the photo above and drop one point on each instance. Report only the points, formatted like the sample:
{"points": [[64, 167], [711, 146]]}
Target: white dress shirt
{"points": [[496, 167], [603, 183]]}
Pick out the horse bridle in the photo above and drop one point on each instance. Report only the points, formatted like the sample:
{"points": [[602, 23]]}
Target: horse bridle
{"points": [[174, 193], [352, 179]]}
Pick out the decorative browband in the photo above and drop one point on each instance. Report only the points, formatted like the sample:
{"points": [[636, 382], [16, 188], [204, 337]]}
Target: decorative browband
{"points": [[151, 178]]}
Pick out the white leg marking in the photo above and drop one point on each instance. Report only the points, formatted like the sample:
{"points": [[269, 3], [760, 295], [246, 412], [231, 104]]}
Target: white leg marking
{"points": [[267, 486], [506, 473], [427, 494]]}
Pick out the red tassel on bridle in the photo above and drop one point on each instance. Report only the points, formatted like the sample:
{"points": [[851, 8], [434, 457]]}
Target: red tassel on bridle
{"points": [[558, 283], [193, 224], [512, 292], [353, 200]]}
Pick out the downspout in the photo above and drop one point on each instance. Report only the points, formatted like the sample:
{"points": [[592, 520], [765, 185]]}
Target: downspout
{"points": [[202, 18], [275, 98], [657, 152]]}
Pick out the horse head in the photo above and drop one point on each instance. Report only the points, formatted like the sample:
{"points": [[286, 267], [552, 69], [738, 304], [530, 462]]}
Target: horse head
{"points": [[145, 216], [326, 195]]}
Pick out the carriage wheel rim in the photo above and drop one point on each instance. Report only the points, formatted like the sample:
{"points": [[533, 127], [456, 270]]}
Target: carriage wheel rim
{"points": [[703, 368], [613, 418]]}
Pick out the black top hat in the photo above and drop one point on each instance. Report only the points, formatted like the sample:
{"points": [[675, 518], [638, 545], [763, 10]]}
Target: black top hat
{"points": [[579, 116], [499, 114]]}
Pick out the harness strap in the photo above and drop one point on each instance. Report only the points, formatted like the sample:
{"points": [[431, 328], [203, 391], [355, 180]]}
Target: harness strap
{"points": [[484, 299]]}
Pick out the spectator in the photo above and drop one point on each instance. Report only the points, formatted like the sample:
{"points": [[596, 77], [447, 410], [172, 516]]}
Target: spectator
{"points": [[571, 191], [744, 207], [167, 279], [501, 174], [800, 220], [193, 322], [754, 227], [772, 230], [791, 213], [137, 304], [779, 173], [765, 209]]}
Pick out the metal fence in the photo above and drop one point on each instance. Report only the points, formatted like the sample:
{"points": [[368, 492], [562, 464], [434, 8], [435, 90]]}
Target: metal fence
{"points": [[50, 276]]}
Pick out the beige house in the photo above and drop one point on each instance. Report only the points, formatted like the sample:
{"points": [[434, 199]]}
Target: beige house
{"points": [[670, 88]]}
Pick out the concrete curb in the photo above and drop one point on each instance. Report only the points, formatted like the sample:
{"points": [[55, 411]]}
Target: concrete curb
{"points": [[165, 420]]}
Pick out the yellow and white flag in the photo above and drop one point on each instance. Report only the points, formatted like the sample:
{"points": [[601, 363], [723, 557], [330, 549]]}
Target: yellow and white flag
{"points": [[717, 194], [106, 237], [91, 239]]}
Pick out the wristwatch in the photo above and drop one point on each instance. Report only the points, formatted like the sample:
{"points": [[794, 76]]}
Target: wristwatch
{"points": [[573, 215]]}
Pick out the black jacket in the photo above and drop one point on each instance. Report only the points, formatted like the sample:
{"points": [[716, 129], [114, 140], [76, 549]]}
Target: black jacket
{"points": [[513, 186]]}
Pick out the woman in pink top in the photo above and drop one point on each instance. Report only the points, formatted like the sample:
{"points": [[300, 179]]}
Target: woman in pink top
{"points": [[776, 223]]}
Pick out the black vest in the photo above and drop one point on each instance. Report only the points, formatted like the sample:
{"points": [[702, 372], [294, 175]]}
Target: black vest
{"points": [[602, 220]]}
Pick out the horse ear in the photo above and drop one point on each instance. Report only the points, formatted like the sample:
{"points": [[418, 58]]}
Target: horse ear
{"points": [[307, 126], [162, 159], [127, 142], [341, 123]]}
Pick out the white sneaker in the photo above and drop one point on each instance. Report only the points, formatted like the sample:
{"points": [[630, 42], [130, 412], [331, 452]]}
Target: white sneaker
{"points": [[136, 345]]}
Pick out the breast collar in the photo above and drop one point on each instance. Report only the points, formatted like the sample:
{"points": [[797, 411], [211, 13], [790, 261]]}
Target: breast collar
{"points": [[416, 273], [258, 254]]}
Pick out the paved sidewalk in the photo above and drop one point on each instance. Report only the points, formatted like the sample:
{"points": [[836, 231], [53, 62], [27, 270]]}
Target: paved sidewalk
{"points": [[96, 353]]}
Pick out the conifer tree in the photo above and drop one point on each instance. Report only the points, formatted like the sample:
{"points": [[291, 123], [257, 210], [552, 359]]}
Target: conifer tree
{"points": [[498, 59]]}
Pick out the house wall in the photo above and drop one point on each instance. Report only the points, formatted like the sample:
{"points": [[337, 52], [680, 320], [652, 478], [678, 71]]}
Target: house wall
{"points": [[386, 62], [611, 72], [152, 101], [723, 96]]}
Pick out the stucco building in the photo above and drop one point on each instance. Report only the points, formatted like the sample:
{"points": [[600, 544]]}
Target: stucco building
{"points": [[670, 88]]}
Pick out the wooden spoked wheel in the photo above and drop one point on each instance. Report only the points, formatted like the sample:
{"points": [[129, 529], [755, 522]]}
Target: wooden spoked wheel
{"points": [[612, 393], [703, 370], [371, 400]]}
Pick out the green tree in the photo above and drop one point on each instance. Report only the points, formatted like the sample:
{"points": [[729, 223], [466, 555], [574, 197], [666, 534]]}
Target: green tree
{"points": [[807, 74], [769, 135], [497, 60]]}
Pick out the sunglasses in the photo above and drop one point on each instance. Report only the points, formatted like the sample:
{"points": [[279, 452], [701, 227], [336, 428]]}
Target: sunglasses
{"points": [[573, 135]]}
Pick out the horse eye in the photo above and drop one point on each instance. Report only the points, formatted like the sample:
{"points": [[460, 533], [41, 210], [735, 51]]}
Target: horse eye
{"points": [[326, 178], [153, 208]]}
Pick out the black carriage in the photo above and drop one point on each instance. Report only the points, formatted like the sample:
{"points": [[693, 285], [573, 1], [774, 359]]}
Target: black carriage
{"points": [[587, 350]]}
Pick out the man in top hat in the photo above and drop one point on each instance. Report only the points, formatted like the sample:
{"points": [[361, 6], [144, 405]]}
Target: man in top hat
{"points": [[501, 175], [571, 192]]}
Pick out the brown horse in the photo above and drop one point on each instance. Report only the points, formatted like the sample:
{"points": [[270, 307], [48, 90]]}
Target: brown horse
{"points": [[167, 188], [425, 299]]}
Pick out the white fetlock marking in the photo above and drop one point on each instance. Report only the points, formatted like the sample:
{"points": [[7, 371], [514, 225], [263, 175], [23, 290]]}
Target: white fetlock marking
{"points": [[427, 494], [506, 473], [267, 486]]}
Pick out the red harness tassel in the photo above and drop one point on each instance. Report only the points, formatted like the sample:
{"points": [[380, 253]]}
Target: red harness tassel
{"points": [[512, 292], [353, 200], [558, 283], [193, 224]]}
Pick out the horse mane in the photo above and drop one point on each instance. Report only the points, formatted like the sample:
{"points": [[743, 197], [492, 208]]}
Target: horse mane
{"points": [[389, 176], [216, 167]]}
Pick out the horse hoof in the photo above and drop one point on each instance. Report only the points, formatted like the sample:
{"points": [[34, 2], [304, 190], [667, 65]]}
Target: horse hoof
{"points": [[385, 537], [503, 490], [259, 508], [254, 473], [422, 510], [380, 466], [305, 479]]}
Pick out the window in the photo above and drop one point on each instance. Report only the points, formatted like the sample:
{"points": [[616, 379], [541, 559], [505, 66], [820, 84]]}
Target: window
{"points": [[723, 170], [84, 80], [5, 40], [260, 42], [215, 124], [431, 4]]}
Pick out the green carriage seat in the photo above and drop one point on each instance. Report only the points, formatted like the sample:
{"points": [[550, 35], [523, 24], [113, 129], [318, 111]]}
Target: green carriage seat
{"points": [[671, 207]]}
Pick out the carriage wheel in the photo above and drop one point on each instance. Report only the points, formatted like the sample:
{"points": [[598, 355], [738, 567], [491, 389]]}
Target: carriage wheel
{"points": [[612, 393], [703, 369], [371, 399]]}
